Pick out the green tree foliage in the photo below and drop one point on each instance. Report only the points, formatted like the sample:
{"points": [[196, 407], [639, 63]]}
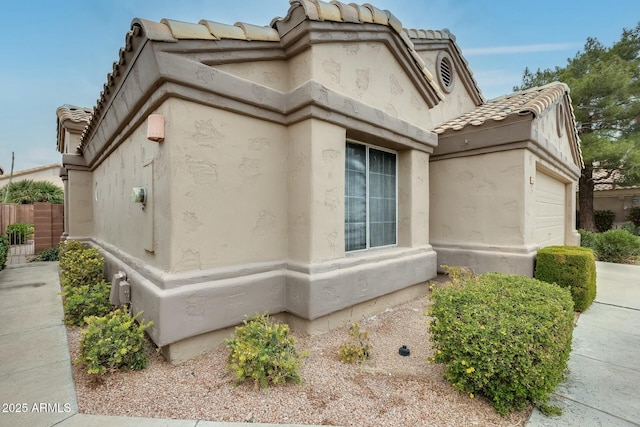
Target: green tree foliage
{"points": [[27, 191], [605, 93]]}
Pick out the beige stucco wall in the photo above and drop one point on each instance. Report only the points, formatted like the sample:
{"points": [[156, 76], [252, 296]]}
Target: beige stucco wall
{"points": [[413, 199], [228, 187], [80, 202], [479, 199], [118, 220], [272, 74], [315, 183], [49, 173], [370, 73], [456, 102]]}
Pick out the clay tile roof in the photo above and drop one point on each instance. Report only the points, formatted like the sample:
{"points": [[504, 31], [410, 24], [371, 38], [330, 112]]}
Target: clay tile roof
{"points": [[168, 30], [77, 115], [531, 101], [73, 113], [318, 10], [611, 181]]}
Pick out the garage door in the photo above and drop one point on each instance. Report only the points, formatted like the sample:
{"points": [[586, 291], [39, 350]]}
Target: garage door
{"points": [[550, 209]]}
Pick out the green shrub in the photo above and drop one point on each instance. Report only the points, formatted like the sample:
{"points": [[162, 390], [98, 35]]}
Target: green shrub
{"points": [[50, 254], [588, 240], [83, 301], [634, 215], [604, 220], [357, 348], [112, 342], [19, 233], [4, 251], [263, 351], [70, 246], [570, 267], [617, 246], [506, 337], [631, 228], [80, 267]]}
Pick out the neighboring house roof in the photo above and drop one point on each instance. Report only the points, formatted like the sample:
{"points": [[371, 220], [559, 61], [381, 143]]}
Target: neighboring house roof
{"points": [[534, 101], [71, 116], [31, 170], [172, 31], [611, 182]]}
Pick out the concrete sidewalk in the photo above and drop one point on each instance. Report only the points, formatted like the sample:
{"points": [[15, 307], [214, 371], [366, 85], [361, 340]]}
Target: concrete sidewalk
{"points": [[36, 386], [603, 384]]}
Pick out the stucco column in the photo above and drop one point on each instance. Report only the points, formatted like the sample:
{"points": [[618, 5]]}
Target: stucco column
{"points": [[413, 198], [80, 205], [316, 191], [65, 181]]}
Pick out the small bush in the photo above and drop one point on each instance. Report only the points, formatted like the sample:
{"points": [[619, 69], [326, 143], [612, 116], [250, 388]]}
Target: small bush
{"points": [[4, 251], [83, 301], [70, 246], [617, 246], [631, 228], [263, 351], [50, 254], [570, 267], [19, 233], [457, 274], [113, 342], [634, 215], [604, 220], [506, 337], [80, 267], [588, 239], [357, 348]]}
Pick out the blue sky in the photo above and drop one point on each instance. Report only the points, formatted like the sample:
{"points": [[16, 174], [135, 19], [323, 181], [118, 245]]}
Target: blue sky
{"points": [[59, 52]]}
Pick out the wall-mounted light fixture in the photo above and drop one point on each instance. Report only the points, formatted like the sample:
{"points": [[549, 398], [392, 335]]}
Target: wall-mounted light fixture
{"points": [[155, 127]]}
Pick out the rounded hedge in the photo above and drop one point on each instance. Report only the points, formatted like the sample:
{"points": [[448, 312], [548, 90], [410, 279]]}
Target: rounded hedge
{"points": [[506, 337], [571, 267]]}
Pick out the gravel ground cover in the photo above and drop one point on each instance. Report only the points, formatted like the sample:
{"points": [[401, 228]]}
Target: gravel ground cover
{"points": [[385, 390]]}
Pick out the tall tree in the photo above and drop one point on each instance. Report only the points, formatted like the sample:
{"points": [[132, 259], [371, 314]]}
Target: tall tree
{"points": [[605, 94]]}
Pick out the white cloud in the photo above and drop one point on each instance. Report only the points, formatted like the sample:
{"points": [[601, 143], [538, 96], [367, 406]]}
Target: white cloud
{"points": [[526, 48]]}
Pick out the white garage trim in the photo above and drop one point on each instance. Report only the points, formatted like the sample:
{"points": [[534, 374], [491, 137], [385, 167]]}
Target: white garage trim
{"points": [[550, 211]]}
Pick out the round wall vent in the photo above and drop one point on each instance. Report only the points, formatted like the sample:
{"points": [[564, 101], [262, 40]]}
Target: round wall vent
{"points": [[446, 72]]}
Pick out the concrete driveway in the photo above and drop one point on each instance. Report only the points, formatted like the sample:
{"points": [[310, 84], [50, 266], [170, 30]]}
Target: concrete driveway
{"points": [[603, 384]]}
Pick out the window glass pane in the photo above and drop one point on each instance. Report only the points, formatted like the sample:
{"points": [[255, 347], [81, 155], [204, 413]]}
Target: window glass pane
{"points": [[355, 221], [382, 198]]}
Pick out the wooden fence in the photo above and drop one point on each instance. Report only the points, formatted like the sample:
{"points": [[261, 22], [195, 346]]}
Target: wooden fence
{"points": [[47, 220]]}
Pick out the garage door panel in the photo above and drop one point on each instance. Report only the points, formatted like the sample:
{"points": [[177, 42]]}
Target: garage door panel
{"points": [[550, 211]]}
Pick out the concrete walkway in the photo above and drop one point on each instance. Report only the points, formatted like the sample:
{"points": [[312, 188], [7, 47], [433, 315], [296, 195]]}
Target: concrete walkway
{"points": [[36, 386], [603, 384], [602, 388]]}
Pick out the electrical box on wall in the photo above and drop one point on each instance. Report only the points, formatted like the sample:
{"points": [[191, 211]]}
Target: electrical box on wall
{"points": [[139, 195]]}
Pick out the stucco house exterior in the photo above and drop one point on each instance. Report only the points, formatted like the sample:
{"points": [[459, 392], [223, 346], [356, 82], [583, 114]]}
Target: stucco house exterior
{"points": [[234, 169], [608, 194]]}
